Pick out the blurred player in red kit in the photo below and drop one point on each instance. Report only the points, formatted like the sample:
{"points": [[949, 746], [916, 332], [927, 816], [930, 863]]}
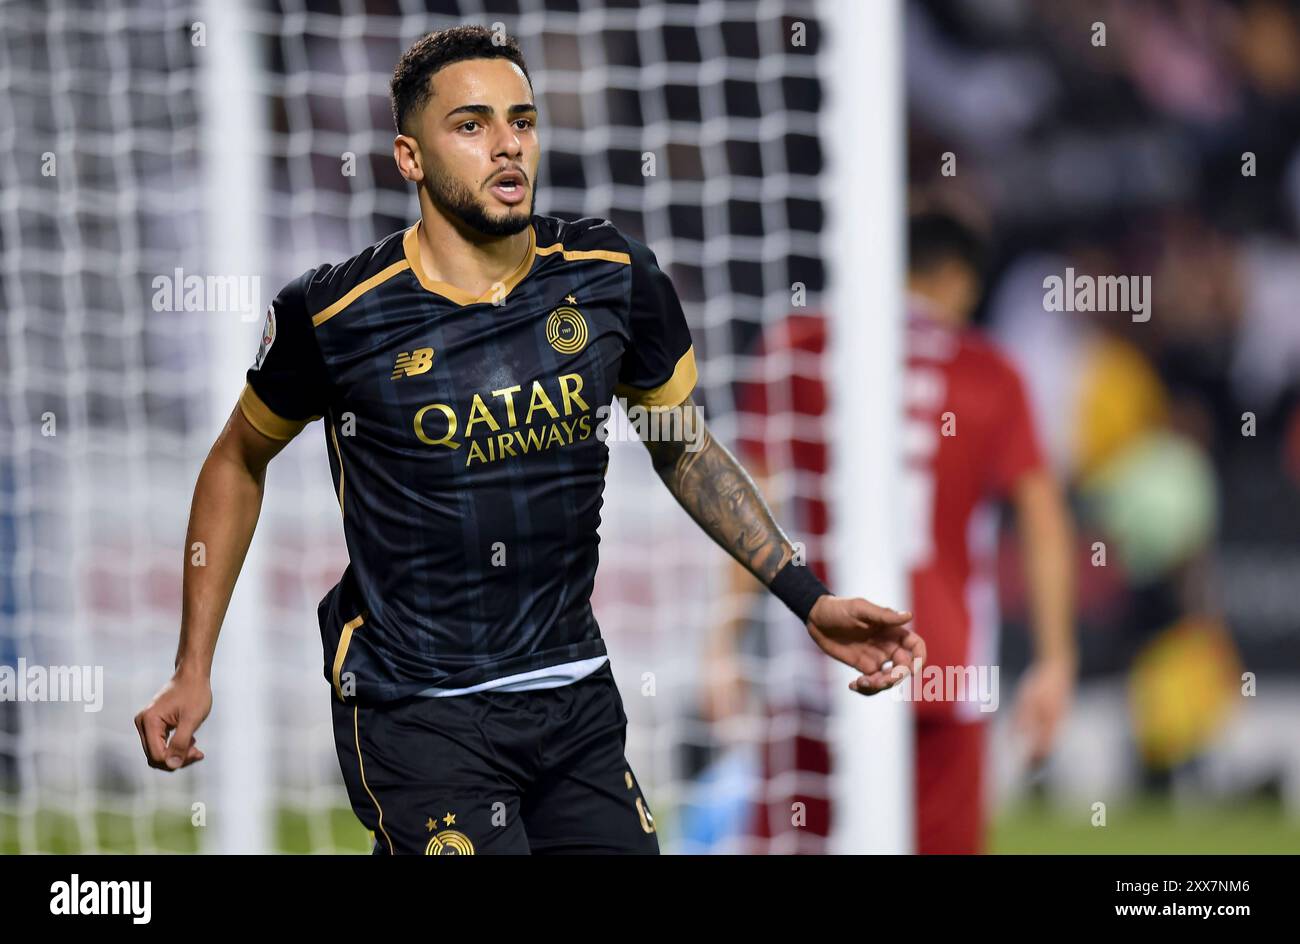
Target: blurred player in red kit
{"points": [[969, 442]]}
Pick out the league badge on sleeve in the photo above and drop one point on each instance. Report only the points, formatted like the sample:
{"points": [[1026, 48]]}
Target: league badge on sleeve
{"points": [[268, 338]]}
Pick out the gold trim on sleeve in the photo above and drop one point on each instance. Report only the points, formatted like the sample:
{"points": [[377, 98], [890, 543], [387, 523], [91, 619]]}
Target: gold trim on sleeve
{"points": [[265, 420], [670, 393]]}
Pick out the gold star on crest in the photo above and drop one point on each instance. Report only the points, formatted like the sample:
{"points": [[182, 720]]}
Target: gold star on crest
{"points": [[431, 824], [450, 819], [570, 299]]}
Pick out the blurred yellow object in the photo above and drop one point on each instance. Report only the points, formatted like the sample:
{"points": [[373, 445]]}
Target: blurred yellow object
{"points": [[1183, 686], [1120, 397]]}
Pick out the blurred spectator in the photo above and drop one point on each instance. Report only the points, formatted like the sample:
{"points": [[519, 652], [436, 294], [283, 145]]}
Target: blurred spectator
{"points": [[1148, 139]]}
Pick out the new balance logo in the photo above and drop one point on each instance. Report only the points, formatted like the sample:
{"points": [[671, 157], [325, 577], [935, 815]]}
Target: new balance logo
{"points": [[416, 362]]}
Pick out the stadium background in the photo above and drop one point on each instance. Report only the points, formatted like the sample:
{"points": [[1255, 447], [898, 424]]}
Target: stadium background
{"points": [[1117, 160]]}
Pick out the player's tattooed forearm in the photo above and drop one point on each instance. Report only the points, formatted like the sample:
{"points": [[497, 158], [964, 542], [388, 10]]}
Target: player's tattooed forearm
{"points": [[717, 492]]}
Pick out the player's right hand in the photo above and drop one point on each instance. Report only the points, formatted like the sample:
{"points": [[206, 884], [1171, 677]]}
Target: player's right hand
{"points": [[873, 639], [176, 711]]}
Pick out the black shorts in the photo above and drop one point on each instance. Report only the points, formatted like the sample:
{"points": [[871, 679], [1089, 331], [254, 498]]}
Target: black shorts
{"points": [[540, 771]]}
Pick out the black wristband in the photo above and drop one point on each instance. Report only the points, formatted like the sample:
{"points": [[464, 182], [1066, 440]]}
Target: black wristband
{"points": [[798, 588]]}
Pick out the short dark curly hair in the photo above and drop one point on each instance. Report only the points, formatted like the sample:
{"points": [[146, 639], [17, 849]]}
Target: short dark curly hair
{"points": [[935, 237], [431, 52]]}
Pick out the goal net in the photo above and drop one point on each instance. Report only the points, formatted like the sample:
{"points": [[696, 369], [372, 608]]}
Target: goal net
{"points": [[138, 153]]}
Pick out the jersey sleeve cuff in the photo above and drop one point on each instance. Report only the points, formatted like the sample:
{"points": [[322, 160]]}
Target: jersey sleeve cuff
{"points": [[265, 420], [670, 393]]}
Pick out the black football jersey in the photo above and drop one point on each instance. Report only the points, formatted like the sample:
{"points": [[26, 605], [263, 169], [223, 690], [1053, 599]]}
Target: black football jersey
{"points": [[462, 437]]}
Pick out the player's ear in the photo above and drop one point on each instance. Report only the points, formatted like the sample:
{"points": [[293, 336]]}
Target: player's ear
{"points": [[410, 163]]}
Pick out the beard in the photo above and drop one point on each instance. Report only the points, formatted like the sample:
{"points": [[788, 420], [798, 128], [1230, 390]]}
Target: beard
{"points": [[453, 197]]}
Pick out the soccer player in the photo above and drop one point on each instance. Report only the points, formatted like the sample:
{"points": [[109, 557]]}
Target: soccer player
{"points": [[459, 367], [970, 441]]}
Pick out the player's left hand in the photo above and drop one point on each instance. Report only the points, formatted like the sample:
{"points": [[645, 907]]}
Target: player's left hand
{"points": [[872, 639], [1045, 695]]}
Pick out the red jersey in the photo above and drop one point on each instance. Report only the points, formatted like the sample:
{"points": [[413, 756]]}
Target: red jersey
{"points": [[968, 437]]}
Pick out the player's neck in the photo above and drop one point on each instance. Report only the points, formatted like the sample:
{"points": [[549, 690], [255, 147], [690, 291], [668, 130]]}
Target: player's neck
{"points": [[470, 262]]}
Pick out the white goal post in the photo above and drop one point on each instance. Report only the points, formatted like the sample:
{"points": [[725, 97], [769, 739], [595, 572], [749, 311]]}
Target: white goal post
{"points": [[862, 122]]}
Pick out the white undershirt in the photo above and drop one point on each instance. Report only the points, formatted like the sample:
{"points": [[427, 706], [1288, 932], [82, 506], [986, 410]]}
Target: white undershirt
{"points": [[553, 676]]}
